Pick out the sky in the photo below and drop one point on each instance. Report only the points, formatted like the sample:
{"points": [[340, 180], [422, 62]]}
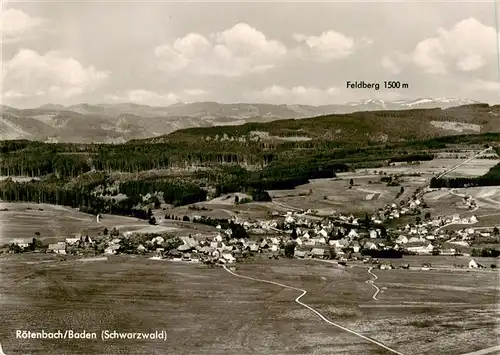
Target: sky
{"points": [[160, 53]]}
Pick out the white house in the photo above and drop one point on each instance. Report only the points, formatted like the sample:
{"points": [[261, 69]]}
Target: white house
{"points": [[72, 241], [373, 234], [473, 264], [228, 258], [353, 234], [58, 248], [402, 239]]}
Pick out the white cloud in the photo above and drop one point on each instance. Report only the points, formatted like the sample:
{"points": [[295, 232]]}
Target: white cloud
{"points": [[147, 97], [295, 95], [468, 46], [330, 45], [51, 75], [14, 24], [233, 52]]}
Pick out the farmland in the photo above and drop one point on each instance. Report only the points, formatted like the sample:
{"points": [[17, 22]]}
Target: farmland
{"points": [[55, 223], [209, 311]]}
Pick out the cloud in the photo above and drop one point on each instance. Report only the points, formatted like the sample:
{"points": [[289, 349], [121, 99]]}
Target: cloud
{"points": [[14, 24], [51, 75], [295, 95], [330, 45], [146, 97], [234, 52], [468, 46]]}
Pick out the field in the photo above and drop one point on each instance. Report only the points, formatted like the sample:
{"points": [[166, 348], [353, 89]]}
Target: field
{"points": [[55, 223], [446, 201], [209, 311], [334, 195]]}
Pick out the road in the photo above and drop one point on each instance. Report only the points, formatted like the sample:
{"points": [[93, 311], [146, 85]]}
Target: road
{"points": [[377, 290], [464, 162], [297, 300], [427, 184]]}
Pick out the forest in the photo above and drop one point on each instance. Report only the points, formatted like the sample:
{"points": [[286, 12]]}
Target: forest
{"points": [[96, 177]]}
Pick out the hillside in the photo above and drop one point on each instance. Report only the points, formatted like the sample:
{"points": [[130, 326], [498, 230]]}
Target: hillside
{"points": [[359, 128], [116, 123]]}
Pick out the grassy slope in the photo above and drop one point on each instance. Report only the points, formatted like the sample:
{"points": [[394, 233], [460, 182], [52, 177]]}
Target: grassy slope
{"points": [[359, 126]]}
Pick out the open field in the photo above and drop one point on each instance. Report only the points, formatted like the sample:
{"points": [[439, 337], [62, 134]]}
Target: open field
{"points": [[209, 311], [474, 168], [55, 223], [445, 201], [363, 196]]}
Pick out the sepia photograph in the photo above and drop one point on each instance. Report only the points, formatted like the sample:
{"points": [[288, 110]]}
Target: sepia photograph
{"points": [[250, 177]]}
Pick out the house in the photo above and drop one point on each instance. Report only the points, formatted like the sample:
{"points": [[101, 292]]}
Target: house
{"points": [[184, 247], [402, 239], [141, 248], [472, 264], [323, 233], [318, 253], [57, 248], [299, 254], [355, 247], [426, 266], [386, 266], [353, 234], [22, 243], [228, 258], [473, 220], [72, 241], [112, 249], [370, 246], [373, 234], [421, 249]]}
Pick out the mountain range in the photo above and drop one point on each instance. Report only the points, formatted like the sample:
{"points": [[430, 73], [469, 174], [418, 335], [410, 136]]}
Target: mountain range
{"points": [[116, 123]]}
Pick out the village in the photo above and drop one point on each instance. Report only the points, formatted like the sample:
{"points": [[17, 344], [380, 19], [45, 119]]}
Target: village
{"points": [[296, 235]]}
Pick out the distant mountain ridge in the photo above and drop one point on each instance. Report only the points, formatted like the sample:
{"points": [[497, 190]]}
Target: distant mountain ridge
{"points": [[107, 123]]}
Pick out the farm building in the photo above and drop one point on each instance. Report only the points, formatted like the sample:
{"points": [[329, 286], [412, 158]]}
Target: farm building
{"points": [[318, 253], [22, 243], [57, 248], [299, 254]]}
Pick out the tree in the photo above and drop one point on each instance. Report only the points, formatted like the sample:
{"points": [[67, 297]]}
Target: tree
{"points": [[402, 190], [150, 213], [152, 221], [114, 232], [332, 253], [105, 232], [185, 219], [36, 244], [496, 232], [290, 250], [367, 220], [236, 199], [351, 182], [417, 220], [427, 215], [294, 234]]}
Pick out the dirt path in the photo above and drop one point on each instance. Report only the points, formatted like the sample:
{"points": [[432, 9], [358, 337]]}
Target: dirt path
{"points": [[297, 300], [371, 282]]}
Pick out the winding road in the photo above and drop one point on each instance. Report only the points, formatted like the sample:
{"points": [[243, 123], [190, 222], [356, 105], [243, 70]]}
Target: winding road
{"points": [[297, 300], [377, 290]]}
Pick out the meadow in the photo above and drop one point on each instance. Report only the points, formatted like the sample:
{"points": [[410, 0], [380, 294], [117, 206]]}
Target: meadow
{"points": [[209, 311]]}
